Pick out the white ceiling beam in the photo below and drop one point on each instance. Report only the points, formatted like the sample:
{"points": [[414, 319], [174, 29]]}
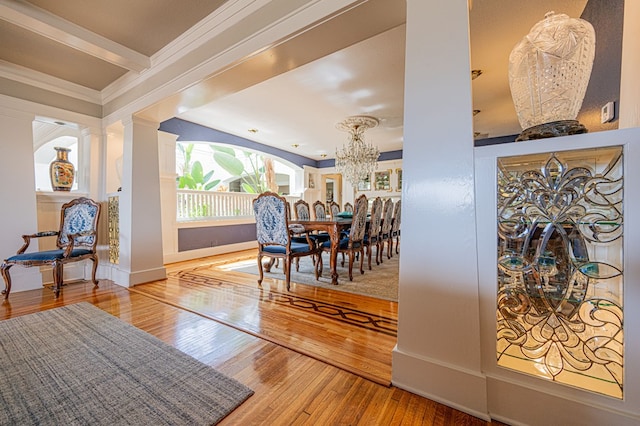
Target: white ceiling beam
{"points": [[62, 31]]}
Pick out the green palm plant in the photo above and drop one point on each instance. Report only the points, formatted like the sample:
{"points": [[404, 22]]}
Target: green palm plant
{"points": [[253, 179], [193, 176]]}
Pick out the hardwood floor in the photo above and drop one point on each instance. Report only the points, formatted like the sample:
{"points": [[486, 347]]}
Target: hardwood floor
{"points": [[271, 341]]}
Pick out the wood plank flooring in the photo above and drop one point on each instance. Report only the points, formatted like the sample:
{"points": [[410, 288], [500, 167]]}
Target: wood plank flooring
{"points": [[292, 386]]}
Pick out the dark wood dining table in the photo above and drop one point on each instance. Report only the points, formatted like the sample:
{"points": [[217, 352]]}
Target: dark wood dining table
{"points": [[333, 228]]}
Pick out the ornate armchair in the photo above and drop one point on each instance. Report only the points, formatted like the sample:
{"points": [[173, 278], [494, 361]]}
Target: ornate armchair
{"points": [[373, 232], [385, 233], [353, 244], [275, 236], [301, 207], [395, 227], [319, 210], [76, 240], [334, 208]]}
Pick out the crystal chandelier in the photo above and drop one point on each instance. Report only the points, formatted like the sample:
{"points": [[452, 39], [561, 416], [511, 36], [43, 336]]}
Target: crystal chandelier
{"points": [[357, 160]]}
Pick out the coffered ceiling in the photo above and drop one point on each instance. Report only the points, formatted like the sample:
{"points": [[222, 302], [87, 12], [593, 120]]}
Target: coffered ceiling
{"points": [[88, 46]]}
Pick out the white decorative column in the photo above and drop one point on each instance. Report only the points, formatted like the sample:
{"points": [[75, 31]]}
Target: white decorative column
{"points": [[140, 207], [167, 162], [438, 351], [18, 215]]}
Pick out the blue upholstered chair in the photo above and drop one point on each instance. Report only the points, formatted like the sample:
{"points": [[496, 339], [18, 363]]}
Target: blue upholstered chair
{"points": [[334, 208], [373, 231], [385, 233], [274, 234], [353, 244], [395, 227], [76, 240]]}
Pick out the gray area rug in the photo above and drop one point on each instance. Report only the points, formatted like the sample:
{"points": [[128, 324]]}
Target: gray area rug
{"points": [[77, 365], [381, 282]]}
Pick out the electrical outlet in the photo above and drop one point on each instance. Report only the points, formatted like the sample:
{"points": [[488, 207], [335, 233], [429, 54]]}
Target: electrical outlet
{"points": [[607, 113]]}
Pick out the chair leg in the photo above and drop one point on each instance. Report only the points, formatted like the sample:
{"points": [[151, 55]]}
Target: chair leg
{"points": [[397, 244], [94, 259], [369, 249], [261, 275], [361, 261], [319, 265], [351, 256], [287, 272], [58, 273], [7, 280]]}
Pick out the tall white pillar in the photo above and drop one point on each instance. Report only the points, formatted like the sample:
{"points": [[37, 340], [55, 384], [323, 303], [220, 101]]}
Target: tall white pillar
{"points": [[438, 351], [18, 210], [140, 207], [168, 197]]}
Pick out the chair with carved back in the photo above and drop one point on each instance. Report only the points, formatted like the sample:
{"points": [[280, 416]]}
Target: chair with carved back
{"points": [[395, 228], [275, 236], [373, 230], [348, 208], [76, 240], [352, 245], [334, 208], [319, 210], [385, 232]]}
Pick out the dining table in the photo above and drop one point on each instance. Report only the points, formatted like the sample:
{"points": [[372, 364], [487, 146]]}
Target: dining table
{"points": [[333, 227]]}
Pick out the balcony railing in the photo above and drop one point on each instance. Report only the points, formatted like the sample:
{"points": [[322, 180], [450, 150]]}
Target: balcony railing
{"points": [[213, 205]]}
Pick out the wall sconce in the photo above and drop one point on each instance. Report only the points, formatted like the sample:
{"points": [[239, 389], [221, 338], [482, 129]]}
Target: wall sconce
{"points": [[549, 71]]}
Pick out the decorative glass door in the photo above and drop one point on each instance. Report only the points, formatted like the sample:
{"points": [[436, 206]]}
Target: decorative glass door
{"points": [[560, 267]]}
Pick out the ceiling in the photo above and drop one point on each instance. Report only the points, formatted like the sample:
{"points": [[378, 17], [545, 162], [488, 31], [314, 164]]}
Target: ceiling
{"points": [[103, 42]]}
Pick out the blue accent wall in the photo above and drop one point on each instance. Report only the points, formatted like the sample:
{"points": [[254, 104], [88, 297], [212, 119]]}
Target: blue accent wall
{"points": [[214, 236], [188, 131]]}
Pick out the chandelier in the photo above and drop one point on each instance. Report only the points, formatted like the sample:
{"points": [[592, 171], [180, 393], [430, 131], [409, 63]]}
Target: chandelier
{"points": [[357, 160]]}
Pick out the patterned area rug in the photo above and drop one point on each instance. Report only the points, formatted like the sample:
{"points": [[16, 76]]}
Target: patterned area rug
{"points": [[381, 282], [78, 365]]}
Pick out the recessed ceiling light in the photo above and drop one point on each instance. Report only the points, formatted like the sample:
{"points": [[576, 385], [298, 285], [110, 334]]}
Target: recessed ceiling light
{"points": [[253, 130], [323, 155], [60, 123], [295, 145]]}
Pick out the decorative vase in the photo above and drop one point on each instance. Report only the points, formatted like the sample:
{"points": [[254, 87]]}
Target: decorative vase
{"points": [[549, 70], [61, 171]]}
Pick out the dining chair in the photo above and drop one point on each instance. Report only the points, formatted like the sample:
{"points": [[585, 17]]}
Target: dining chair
{"points": [[348, 208], [76, 240], [319, 213], [385, 232], [373, 230], [319, 210], [301, 208], [334, 208], [274, 235], [352, 245], [395, 227]]}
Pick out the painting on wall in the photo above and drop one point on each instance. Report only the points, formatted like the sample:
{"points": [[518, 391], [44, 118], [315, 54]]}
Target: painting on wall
{"points": [[383, 181], [365, 184]]}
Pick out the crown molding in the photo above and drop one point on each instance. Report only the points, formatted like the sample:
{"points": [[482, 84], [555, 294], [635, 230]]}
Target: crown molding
{"points": [[44, 81], [211, 26]]}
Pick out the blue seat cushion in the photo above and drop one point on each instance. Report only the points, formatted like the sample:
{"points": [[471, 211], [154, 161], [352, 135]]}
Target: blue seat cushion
{"points": [[45, 256], [344, 243], [295, 248]]}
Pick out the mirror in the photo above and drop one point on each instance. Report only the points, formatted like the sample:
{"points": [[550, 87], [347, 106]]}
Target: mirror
{"points": [[332, 189]]}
